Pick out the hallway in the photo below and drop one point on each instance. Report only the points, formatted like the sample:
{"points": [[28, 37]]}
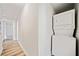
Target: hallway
{"points": [[12, 48]]}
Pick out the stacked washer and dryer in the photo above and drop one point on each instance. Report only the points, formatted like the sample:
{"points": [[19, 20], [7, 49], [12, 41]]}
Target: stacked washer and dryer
{"points": [[64, 44]]}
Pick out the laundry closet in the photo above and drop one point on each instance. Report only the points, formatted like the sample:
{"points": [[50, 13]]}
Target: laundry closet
{"points": [[63, 42]]}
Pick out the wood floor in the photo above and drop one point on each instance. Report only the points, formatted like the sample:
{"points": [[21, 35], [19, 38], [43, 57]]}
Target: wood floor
{"points": [[12, 48]]}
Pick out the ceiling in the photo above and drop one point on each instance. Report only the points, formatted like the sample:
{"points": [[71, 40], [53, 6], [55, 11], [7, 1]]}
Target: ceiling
{"points": [[11, 10]]}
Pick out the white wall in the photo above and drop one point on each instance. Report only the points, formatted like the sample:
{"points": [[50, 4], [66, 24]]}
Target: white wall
{"points": [[28, 29], [35, 29], [45, 29]]}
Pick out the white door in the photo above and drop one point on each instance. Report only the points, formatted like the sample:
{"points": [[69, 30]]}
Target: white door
{"points": [[9, 29]]}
